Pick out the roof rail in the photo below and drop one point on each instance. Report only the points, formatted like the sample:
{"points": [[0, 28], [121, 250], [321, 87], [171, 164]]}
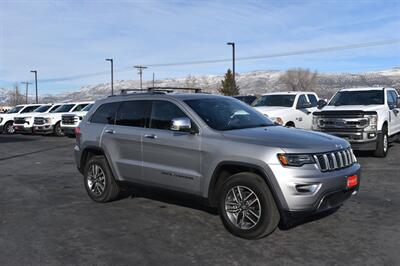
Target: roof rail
{"points": [[172, 89], [125, 91]]}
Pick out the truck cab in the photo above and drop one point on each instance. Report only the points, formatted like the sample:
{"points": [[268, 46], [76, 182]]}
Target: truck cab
{"points": [[7, 119], [367, 117], [292, 109]]}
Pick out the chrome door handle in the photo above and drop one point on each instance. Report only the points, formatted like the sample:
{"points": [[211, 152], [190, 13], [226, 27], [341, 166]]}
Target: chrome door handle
{"points": [[150, 136], [109, 131]]}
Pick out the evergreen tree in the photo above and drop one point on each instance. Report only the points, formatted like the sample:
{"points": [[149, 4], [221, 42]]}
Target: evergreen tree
{"points": [[228, 87]]}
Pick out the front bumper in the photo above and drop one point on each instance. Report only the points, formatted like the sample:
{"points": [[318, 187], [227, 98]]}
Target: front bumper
{"points": [[43, 129], [290, 178], [68, 130], [22, 129], [359, 140]]}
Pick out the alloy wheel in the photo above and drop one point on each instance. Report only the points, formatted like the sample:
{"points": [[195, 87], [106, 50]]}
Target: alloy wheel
{"points": [[96, 180]]}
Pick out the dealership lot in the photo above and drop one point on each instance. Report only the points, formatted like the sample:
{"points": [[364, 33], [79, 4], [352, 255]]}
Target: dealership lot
{"points": [[47, 218]]}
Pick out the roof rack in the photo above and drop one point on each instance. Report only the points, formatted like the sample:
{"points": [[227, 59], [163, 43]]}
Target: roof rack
{"points": [[172, 89]]}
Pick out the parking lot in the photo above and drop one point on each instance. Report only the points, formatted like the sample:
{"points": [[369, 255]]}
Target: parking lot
{"points": [[46, 218]]}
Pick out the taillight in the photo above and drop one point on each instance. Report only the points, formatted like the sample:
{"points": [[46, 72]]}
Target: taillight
{"points": [[352, 181], [77, 131]]}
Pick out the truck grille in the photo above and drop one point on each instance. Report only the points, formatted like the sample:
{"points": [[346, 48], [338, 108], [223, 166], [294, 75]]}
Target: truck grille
{"points": [[342, 123], [335, 160], [69, 119], [19, 120], [39, 121]]}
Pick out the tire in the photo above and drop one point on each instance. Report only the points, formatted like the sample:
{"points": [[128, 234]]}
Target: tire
{"points": [[8, 128], [57, 130], [101, 187], [253, 221], [382, 145]]}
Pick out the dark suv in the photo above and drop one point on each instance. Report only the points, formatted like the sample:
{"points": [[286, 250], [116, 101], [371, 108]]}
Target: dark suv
{"points": [[255, 172]]}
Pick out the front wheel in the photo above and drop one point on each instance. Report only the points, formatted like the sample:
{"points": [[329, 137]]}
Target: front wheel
{"points": [[383, 144], [9, 128], [247, 207], [57, 130]]}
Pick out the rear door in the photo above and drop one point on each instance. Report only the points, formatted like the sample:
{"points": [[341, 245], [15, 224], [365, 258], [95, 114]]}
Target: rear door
{"points": [[394, 112], [123, 139], [171, 159]]}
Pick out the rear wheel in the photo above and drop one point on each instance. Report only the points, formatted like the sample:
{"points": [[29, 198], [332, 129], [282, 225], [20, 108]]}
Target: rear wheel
{"points": [[382, 145], [99, 180], [9, 128], [247, 207]]}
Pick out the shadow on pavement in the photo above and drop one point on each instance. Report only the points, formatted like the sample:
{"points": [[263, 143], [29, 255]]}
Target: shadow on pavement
{"points": [[33, 152], [11, 139]]}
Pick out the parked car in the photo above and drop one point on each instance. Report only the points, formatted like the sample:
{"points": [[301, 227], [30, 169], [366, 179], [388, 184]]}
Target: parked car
{"points": [[70, 121], [51, 123], [367, 117], [292, 109], [7, 119], [23, 123], [255, 172], [249, 99]]}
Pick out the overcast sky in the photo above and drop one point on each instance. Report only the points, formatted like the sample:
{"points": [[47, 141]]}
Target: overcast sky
{"points": [[63, 39]]}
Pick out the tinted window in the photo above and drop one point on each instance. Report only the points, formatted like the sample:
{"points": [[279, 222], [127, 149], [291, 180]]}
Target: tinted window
{"points": [[43, 108], [79, 107], [54, 108], [30, 109], [162, 113], [275, 100], [64, 108], [302, 100], [390, 98], [246, 99], [133, 113], [228, 114], [366, 97], [313, 100], [105, 114], [87, 108], [15, 110]]}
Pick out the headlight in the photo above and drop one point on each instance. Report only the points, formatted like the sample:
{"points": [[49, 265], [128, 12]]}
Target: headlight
{"points": [[48, 120], [295, 159], [373, 121]]}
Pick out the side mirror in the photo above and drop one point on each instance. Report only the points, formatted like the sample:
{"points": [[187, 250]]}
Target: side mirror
{"points": [[181, 124], [321, 104], [304, 105]]}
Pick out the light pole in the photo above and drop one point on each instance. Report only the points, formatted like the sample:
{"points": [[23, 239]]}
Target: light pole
{"points": [[26, 91], [140, 72], [35, 71], [112, 75], [233, 60]]}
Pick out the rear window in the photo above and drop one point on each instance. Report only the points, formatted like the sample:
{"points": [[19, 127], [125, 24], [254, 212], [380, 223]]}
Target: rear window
{"points": [[133, 113], [105, 114]]}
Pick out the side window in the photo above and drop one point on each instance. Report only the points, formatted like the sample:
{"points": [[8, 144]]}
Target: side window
{"points": [[105, 114], [302, 100], [79, 107], [390, 99], [133, 113], [313, 100], [162, 113]]}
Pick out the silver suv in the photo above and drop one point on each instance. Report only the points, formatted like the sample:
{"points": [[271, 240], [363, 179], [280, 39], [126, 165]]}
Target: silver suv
{"points": [[255, 172]]}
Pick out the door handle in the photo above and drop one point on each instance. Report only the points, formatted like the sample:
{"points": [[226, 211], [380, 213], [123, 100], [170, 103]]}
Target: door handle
{"points": [[150, 136], [109, 131]]}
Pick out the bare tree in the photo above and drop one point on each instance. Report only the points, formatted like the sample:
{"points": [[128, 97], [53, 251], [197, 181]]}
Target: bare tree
{"points": [[191, 81], [298, 79], [15, 97]]}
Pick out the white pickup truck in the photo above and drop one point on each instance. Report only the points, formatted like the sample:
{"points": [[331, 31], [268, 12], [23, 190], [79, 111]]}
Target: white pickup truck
{"points": [[292, 109], [23, 123], [367, 117], [51, 123], [7, 119], [70, 121]]}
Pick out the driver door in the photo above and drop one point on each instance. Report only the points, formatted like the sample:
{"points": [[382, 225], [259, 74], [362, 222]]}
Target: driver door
{"points": [[303, 116]]}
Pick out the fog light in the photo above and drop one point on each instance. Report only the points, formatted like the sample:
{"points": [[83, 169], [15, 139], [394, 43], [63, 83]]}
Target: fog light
{"points": [[309, 188], [371, 135]]}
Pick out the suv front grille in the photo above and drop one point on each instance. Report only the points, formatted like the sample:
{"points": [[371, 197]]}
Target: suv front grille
{"points": [[335, 160], [19, 120], [69, 119], [343, 123], [39, 121]]}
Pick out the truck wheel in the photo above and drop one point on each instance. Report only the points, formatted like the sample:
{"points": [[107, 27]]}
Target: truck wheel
{"points": [[99, 180], [57, 130], [382, 145], [9, 128], [247, 207]]}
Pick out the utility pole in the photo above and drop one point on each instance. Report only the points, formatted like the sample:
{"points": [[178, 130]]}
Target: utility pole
{"points": [[112, 75], [153, 78], [26, 91], [35, 71], [140, 72], [233, 60]]}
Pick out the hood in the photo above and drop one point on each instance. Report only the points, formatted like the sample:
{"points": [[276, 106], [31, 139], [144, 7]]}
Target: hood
{"points": [[365, 108], [28, 114], [46, 115], [291, 140], [81, 113], [272, 111]]}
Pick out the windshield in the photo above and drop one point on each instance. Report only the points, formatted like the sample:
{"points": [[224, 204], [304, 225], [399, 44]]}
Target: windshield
{"points": [[246, 99], [15, 110], [87, 108], [228, 114], [275, 100], [64, 108], [358, 98], [42, 108], [54, 108], [30, 109]]}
